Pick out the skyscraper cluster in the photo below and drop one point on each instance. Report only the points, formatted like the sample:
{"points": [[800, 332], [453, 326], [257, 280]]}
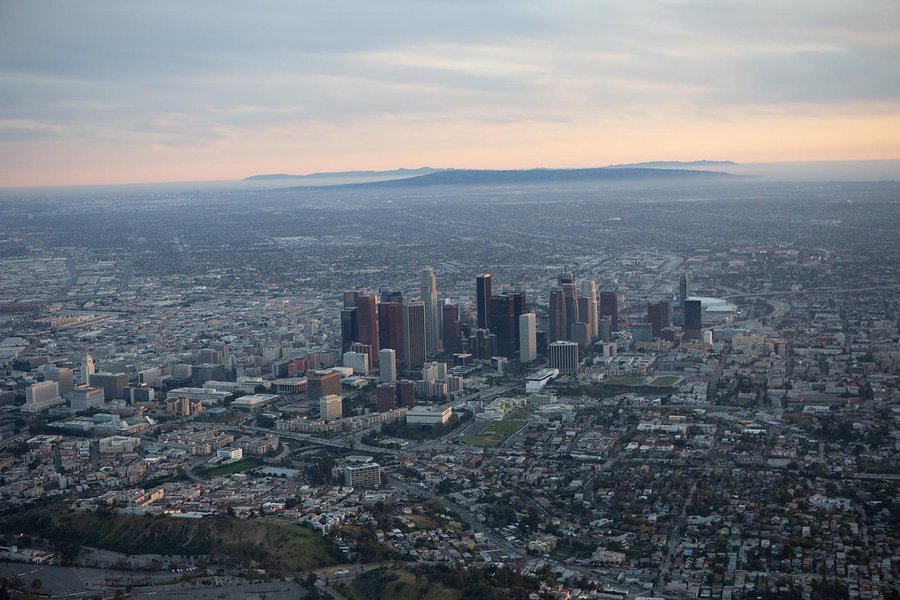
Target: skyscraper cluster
{"points": [[502, 324], [411, 328], [579, 317]]}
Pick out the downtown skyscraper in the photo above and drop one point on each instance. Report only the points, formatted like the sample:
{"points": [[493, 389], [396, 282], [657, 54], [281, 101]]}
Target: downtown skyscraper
{"points": [[433, 316]]}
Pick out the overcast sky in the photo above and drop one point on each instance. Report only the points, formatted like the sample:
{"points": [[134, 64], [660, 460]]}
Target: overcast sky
{"points": [[107, 92]]}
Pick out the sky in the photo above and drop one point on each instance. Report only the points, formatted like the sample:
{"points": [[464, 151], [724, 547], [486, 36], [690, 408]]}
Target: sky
{"points": [[95, 92]]}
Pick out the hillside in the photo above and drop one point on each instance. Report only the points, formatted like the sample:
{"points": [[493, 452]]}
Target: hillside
{"points": [[277, 543]]}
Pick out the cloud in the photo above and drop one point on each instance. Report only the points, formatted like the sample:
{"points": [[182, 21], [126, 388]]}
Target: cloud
{"points": [[202, 74]]}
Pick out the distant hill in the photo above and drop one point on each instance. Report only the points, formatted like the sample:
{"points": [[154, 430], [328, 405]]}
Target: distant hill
{"points": [[488, 177], [670, 164], [346, 174]]}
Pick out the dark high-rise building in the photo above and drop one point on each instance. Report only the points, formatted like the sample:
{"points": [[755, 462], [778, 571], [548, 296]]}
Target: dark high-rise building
{"points": [[414, 334], [386, 397], [349, 328], [452, 328], [482, 344], [566, 281], [609, 307], [323, 383], [666, 308], [482, 300], [390, 323], [655, 318], [406, 393], [605, 329], [519, 308], [557, 318], [367, 325], [684, 288], [350, 299], [503, 323], [693, 319], [359, 324]]}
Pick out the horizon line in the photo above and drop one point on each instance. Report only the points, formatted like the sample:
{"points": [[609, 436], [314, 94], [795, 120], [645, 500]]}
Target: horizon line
{"points": [[319, 172]]}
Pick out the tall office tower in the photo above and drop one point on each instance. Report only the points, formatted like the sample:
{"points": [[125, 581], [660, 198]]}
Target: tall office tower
{"points": [[527, 337], [390, 323], [87, 369], [586, 316], [693, 319], [581, 334], [414, 335], [452, 328], [367, 325], [503, 324], [684, 288], [386, 397], [519, 308], [609, 307], [387, 361], [564, 356], [605, 329], [350, 298], [323, 383], [349, 328], [61, 375], [432, 312], [566, 281], [406, 393], [482, 300], [666, 308], [655, 318], [557, 326], [482, 344], [589, 291], [331, 407]]}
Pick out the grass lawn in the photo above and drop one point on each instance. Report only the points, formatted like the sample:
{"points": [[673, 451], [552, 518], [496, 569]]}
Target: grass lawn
{"points": [[505, 427], [664, 381], [562, 552], [482, 441], [236, 467], [295, 546]]}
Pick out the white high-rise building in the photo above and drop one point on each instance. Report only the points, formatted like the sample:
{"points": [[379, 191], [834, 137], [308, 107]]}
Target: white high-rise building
{"points": [[564, 356], [432, 312], [358, 361], [42, 396], [387, 365], [87, 369], [331, 407], [589, 291], [527, 337]]}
